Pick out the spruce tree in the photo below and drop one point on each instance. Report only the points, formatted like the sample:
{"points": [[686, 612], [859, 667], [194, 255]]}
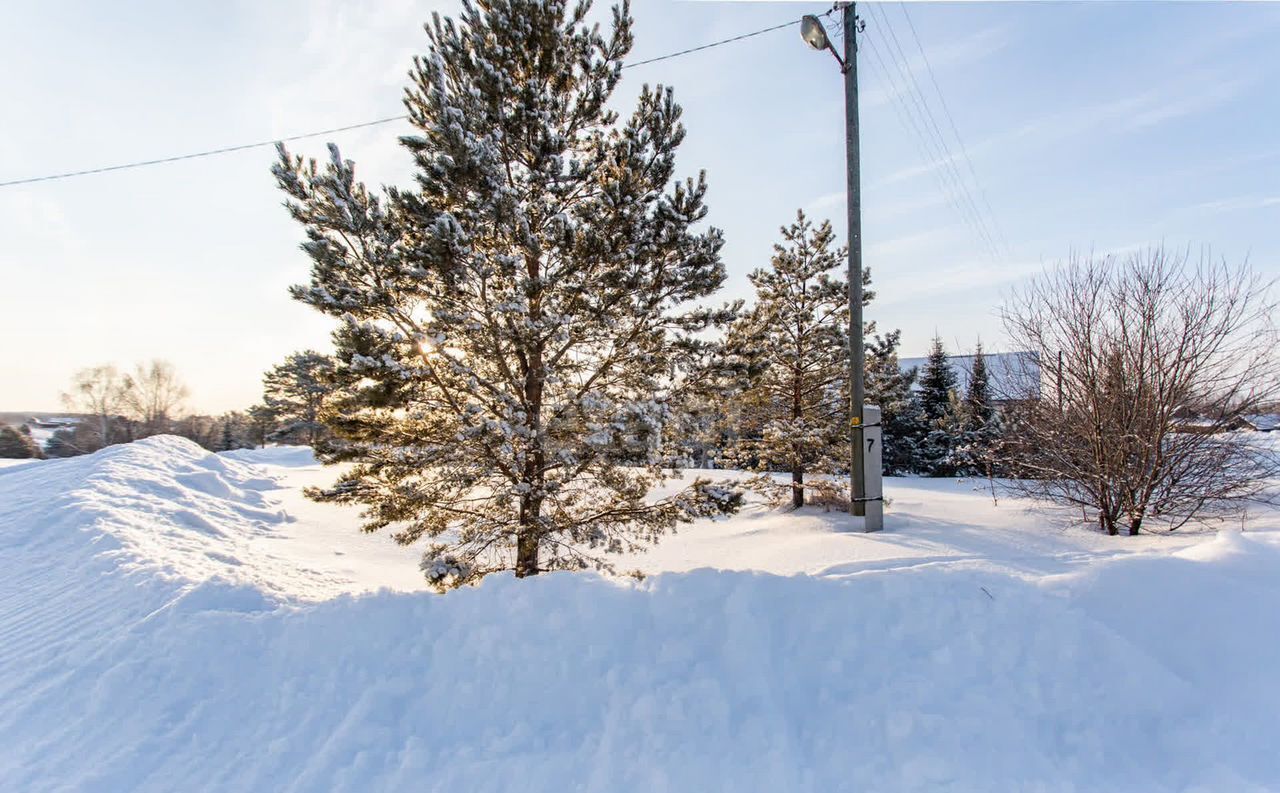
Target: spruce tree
{"points": [[902, 423], [978, 422], [938, 412], [295, 392], [17, 445], [228, 441], [513, 327], [795, 335]]}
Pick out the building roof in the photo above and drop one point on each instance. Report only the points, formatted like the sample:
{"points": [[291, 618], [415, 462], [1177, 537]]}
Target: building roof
{"points": [[1263, 422], [1012, 375]]}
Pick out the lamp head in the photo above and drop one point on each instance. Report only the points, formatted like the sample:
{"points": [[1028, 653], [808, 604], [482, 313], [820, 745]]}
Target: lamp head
{"points": [[813, 33]]}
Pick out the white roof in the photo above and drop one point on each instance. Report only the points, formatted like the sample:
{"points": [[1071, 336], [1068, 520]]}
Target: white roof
{"points": [[1264, 422], [1011, 374]]}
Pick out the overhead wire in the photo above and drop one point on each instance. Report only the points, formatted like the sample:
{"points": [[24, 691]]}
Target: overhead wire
{"points": [[349, 127], [926, 147], [946, 110], [917, 116], [949, 158], [940, 157], [931, 132]]}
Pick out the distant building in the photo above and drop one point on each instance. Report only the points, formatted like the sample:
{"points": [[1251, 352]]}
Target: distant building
{"points": [[1013, 376], [42, 429], [1261, 422], [52, 423]]}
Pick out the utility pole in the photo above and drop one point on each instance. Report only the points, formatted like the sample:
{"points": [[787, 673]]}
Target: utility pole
{"points": [[857, 349], [863, 440]]}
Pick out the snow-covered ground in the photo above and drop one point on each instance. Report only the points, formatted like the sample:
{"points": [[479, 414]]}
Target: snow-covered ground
{"points": [[176, 620]]}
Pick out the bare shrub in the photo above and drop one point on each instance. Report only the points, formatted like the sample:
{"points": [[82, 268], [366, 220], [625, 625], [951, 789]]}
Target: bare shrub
{"points": [[1143, 368]]}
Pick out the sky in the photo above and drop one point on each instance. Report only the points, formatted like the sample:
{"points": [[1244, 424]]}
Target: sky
{"points": [[1098, 127]]}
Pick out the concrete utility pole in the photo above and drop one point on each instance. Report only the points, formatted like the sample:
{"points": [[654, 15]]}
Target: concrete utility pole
{"points": [[862, 447], [857, 350]]}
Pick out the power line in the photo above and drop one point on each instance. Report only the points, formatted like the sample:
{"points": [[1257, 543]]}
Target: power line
{"points": [[933, 131], [715, 44], [925, 145], [194, 155], [952, 123], [932, 134], [361, 125]]}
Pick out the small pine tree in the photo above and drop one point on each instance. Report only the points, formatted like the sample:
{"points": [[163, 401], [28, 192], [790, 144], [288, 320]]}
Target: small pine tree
{"points": [[238, 431], [228, 440], [795, 335], [978, 422], [15, 445], [514, 325], [938, 412], [295, 393], [901, 421], [261, 423]]}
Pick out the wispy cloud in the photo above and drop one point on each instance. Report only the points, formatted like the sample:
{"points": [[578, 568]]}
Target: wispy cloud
{"points": [[960, 52], [825, 203], [874, 205], [1187, 96], [1166, 107], [911, 243], [1235, 204], [907, 285]]}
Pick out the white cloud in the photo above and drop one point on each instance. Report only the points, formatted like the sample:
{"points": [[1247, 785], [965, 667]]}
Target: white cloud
{"points": [[1236, 204], [951, 55]]}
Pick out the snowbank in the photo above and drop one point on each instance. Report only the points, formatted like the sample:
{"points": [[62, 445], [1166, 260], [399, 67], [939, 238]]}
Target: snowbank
{"points": [[130, 661]]}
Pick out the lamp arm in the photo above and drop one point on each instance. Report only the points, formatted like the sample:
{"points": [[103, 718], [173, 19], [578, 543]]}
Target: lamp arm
{"points": [[836, 55]]}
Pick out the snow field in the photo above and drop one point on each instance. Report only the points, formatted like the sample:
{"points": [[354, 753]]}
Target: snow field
{"points": [[156, 634]]}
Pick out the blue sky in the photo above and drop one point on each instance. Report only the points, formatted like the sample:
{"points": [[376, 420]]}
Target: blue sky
{"points": [[1099, 126]]}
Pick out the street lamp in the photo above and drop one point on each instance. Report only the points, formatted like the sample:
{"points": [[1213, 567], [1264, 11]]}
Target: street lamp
{"points": [[815, 35], [860, 502]]}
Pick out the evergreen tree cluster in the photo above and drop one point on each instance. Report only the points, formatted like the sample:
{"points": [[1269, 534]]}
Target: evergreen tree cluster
{"points": [[940, 431], [525, 346], [784, 394], [16, 443]]}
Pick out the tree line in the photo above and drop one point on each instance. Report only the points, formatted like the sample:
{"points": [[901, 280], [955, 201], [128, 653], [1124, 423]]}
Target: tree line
{"points": [[527, 344], [112, 406]]}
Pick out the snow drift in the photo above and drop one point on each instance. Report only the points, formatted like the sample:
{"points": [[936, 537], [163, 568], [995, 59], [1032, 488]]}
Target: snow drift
{"points": [[144, 647]]}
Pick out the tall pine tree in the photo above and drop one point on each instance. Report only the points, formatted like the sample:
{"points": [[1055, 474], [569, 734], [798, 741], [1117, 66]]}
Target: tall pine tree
{"points": [[513, 326], [795, 336]]}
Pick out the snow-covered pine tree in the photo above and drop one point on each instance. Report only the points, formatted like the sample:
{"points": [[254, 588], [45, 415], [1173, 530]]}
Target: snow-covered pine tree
{"points": [[796, 337], [513, 325], [938, 410], [294, 391], [978, 422], [902, 424]]}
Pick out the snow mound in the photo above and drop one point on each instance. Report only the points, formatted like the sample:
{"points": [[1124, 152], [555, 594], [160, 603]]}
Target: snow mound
{"points": [[285, 456], [143, 647], [162, 504]]}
